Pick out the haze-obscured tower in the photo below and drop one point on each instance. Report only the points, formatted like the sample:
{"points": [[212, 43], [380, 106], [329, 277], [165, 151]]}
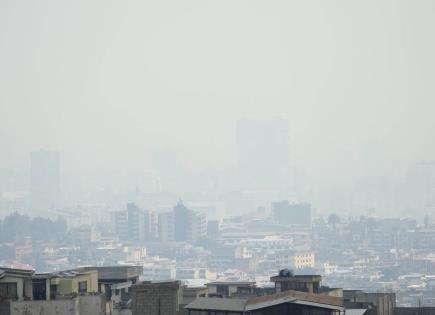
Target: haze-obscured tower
{"points": [[45, 193], [263, 153], [291, 213], [189, 226], [168, 170]]}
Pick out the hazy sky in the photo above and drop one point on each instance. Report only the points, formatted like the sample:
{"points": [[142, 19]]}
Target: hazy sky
{"points": [[107, 82]]}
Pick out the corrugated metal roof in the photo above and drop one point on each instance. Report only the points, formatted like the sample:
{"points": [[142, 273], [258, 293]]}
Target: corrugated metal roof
{"points": [[219, 304], [238, 283], [254, 303], [356, 311], [300, 296], [16, 272]]}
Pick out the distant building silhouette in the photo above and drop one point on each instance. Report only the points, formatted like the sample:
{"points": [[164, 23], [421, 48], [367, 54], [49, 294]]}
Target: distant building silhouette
{"points": [[190, 225], [166, 227], [168, 170], [135, 225], [45, 193], [287, 213], [263, 153]]}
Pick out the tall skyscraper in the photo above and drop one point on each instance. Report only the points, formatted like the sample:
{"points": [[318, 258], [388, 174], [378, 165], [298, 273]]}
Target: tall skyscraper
{"points": [[263, 153], [166, 227], [45, 193], [136, 220], [120, 222], [189, 226], [181, 220]]}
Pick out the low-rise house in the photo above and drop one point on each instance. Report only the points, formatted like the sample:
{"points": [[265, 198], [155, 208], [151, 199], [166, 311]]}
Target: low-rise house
{"points": [[284, 303], [286, 280], [72, 292], [115, 282], [376, 303], [190, 294], [15, 284], [230, 288], [53, 285]]}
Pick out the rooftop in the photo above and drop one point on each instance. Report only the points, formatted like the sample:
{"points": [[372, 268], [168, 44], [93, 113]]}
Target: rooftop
{"points": [[296, 277], [238, 283], [219, 304], [254, 303], [299, 296], [15, 272]]}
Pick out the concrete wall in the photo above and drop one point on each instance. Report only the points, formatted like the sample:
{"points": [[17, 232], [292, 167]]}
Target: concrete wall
{"points": [[121, 312], [414, 311], [54, 307], [337, 292], [5, 308], [28, 288], [156, 298], [92, 304], [384, 303], [71, 285], [120, 273], [82, 305]]}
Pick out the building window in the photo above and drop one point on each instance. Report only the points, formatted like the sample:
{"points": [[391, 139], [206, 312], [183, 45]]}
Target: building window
{"points": [[8, 290], [83, 286], [222, 290]]}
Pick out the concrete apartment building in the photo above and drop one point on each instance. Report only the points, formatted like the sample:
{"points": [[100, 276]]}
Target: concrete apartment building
{"points": [[230, 288], [286, 280], [166, 227], [295, 295], [115, 283], [189, 226], [135, 225], [82, 291], [116, 290], [375, 303], [67, 292], [15, 284]]}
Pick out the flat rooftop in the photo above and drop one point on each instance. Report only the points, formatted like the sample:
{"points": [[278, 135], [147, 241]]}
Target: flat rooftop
{"points": [[240, 283]]}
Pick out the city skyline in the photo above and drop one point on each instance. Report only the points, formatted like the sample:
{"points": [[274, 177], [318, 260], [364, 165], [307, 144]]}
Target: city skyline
{"points": [[342, 89], [217, 157]]}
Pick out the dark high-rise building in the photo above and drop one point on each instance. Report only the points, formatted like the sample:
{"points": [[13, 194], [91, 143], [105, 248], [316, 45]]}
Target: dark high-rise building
{"points": [[181, 219], [189, 225], [45, 193], [136, 227], [263, 153], [166, 227], [120, 221], [295, 213]]}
